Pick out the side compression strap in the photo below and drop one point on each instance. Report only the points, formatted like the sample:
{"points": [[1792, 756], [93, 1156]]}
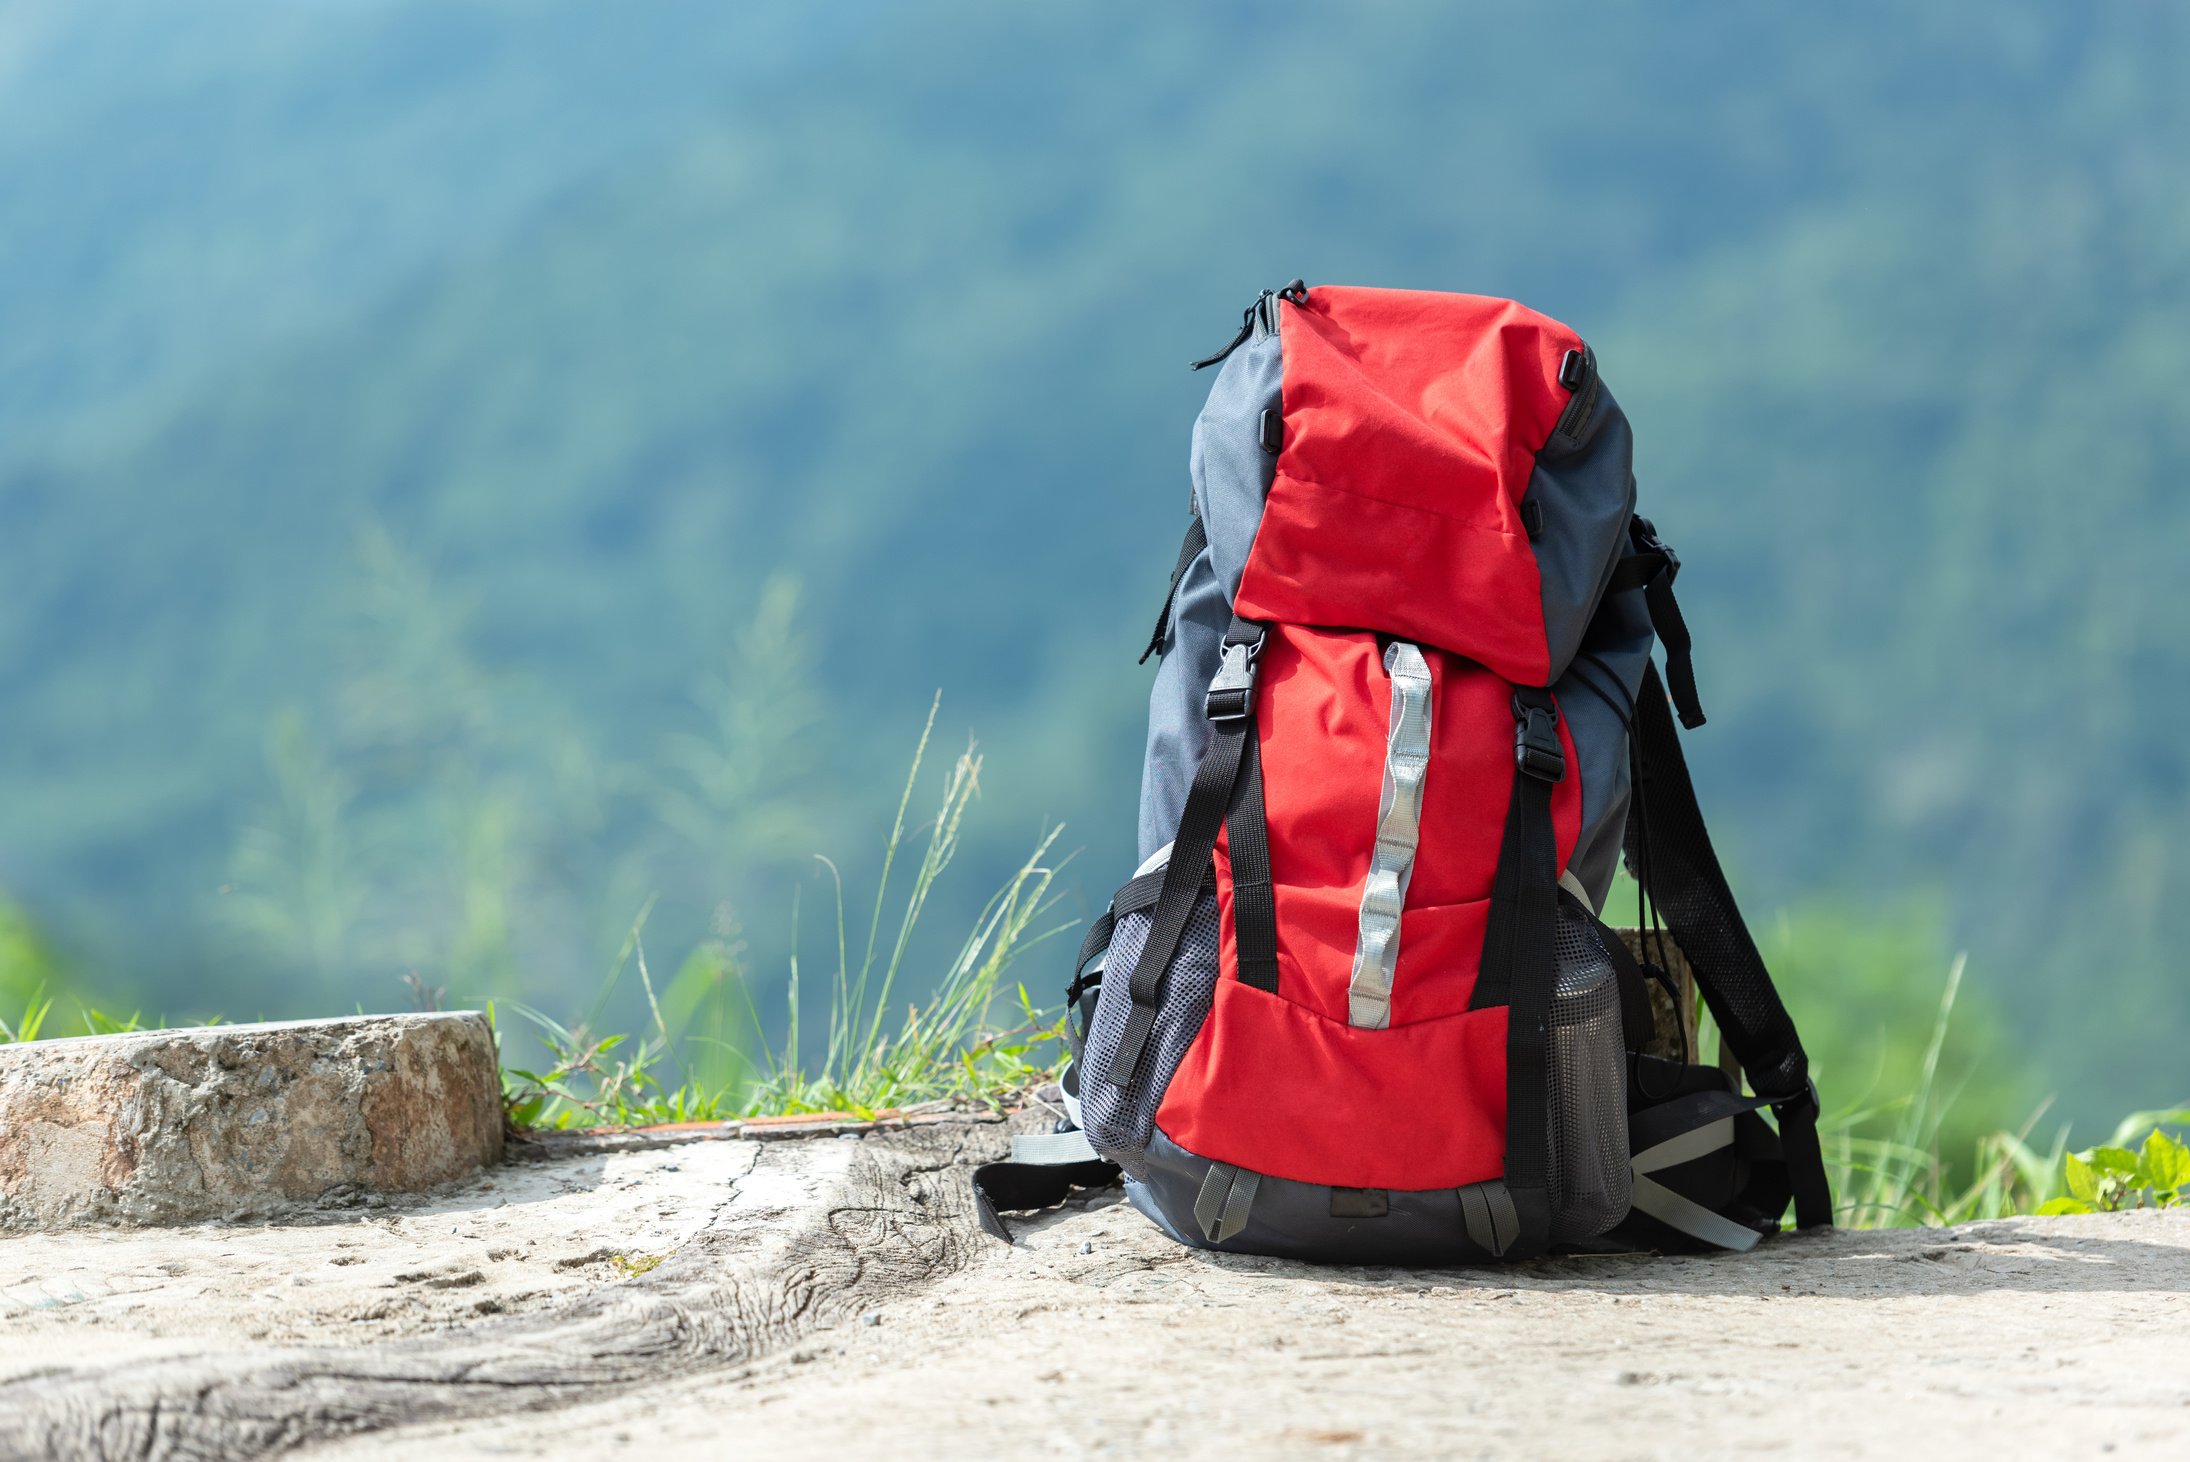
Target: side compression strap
{"points": [[1197, 539], [1517, 965], [1669, 850], [1652, 568], [1231, 708], [1137, 896], [1678, 1132]]}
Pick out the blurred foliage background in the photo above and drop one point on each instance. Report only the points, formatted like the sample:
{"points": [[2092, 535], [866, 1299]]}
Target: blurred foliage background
{"points": [[466, 467]]}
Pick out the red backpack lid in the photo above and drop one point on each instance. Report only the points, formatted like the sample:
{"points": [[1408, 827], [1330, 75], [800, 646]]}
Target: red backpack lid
{"points": [[1412, 424]]}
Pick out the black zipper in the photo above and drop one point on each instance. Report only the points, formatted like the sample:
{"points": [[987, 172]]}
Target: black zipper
{"points": [[1574, 421]]}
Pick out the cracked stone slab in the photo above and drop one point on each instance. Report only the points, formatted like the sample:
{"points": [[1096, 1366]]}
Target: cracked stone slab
{"points": [[175, 1126], [539, 1285]]}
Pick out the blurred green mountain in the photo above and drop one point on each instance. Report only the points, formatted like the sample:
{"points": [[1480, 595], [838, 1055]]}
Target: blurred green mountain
{"points": [[465, 466]]}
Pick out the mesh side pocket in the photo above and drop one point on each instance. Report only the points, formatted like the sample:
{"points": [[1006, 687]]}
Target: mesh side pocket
{"points": [[1118, 1123], [1590, 1179]]}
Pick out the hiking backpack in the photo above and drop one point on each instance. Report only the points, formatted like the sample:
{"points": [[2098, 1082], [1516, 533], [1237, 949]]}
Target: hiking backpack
{"points": [[1356, 1003]]}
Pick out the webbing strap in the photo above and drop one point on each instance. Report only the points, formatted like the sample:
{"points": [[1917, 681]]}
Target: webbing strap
{"points": [[1655, 566], [1682, 1131], [1254, 897], [1647, 1195], [1517, 967], [1680, 662], [1197, 539], [1231, 707], [1139, 893], [1398, 831], [1206, 803], [1226, 1198], [1001, 1187], [1669, 850], [1053, 1149]]}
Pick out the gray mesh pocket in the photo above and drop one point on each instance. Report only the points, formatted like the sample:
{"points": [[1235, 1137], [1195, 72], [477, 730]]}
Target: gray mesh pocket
{"points": [[1118, 1123], [1590, 1179]]}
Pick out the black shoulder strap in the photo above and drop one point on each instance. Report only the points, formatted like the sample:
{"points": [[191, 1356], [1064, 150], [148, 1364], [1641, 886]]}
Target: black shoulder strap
{"points": [[1669, 851]]}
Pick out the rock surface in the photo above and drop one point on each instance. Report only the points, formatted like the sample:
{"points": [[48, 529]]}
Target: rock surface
{"points": [[171, 1126], [830, 1297]]}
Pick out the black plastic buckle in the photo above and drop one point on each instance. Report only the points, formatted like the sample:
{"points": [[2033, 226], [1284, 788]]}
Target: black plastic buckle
{"points": [[1808, 1104], [1644, 533], [1232, 692], [1570, 370], [1536, 748]]}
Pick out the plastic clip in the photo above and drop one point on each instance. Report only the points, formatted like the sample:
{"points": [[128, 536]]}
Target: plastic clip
{"points": [[1536, 748]]}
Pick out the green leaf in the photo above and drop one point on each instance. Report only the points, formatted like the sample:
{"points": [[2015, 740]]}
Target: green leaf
{"points": [[2082, 1181], [2063, 1205], [2114, 1160], [2164, 1163]]}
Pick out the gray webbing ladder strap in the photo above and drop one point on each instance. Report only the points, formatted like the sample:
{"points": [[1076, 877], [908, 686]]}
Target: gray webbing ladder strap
{"points": [[1398, 832]]}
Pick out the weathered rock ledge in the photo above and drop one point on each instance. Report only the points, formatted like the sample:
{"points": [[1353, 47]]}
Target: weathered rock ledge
{"points": [[174, 1126]]}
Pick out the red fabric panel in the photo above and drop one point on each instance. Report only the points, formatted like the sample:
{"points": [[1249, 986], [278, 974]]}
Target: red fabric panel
{"points": [[1281, 1083], [1276, 1088], [1324, 711], [1412, 422]]}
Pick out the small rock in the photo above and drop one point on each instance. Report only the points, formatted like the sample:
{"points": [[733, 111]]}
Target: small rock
{"points": [[590, 1256], [871, 1318], [1087, 1247]]}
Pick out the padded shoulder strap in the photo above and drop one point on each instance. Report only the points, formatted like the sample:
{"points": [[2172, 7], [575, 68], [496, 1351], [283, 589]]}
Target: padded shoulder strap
{"points": [[1669, 852]]}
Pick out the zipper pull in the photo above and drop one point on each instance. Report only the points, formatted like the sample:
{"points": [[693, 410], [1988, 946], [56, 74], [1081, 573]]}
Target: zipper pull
{"points": [[1246, 328], [1295, 292]]}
